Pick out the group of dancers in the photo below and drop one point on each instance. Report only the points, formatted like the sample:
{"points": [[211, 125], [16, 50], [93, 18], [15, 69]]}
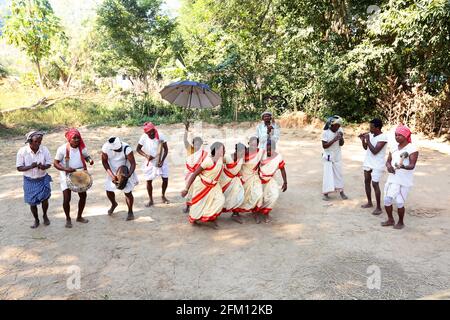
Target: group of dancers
{"points": [[241, 181], [216, 182]]}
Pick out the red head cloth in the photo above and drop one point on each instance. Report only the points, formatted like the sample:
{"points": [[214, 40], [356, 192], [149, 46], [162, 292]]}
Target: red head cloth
{"points": [[148, 126], [404, 131], [73, 133]]}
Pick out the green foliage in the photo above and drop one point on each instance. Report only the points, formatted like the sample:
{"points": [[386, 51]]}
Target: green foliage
{"points": [[31, 27], [132, 37]]}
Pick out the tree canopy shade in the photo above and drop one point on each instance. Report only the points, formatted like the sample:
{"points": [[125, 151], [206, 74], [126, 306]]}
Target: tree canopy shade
{"points": [[32, 26], [132, 37], [319, 56]]}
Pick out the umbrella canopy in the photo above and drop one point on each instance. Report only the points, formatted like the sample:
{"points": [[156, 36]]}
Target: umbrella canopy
{"points": [[190, 94]]}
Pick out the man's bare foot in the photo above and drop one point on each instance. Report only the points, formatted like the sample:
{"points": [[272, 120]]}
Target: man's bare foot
{"points": [[388, 223], [149, 204], [35, 224], [165, 200], [367, 205], [113, 207], [399, 226], [343, 196], [46, 221], [326, 197], [237, 218], [82, 220], [377, 212], [130, 217], [68, 223], [267, 219]]}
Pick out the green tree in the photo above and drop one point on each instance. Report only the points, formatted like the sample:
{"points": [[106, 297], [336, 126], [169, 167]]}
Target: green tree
{"points": [[32, 26], [133, 36]]}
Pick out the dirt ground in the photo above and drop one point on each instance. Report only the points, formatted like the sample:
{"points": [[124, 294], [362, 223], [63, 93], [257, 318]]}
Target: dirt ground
{"points": [[311, 250]]}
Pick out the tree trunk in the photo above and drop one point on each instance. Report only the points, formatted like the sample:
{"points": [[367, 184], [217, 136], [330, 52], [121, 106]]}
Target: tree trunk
{"points": [[38, 67]]}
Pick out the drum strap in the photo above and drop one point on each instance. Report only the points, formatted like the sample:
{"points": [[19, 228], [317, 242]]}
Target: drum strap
{"points": [[67, 158], [125, 154]]}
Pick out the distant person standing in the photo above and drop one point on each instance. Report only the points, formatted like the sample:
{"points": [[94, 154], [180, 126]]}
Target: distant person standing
{"points": [[33, 160], [375, 142], [400, 164], [267, 128], [332, 141]]}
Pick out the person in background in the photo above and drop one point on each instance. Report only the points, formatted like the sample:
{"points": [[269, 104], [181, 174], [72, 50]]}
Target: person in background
{"points": [[332, 142], [267, 128]]}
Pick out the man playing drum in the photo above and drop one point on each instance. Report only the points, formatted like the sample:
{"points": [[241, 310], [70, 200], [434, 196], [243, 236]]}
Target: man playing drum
{"points": [[152, 146], [115, 155], [71, 156]]}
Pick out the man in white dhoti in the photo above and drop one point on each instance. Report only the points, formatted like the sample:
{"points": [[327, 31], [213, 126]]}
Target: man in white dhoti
{"points": [[153, 147], [400, 164], [267, 128], [332, 141], [115, 154]]}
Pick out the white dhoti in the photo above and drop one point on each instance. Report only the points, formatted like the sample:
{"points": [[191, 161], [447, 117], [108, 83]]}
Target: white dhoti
{"points": [[332, 177], [131, 183], [151, 171], [395, 192]]}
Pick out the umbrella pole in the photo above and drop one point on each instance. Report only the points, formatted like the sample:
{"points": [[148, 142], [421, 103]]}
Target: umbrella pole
{"points": [[189, 105]]}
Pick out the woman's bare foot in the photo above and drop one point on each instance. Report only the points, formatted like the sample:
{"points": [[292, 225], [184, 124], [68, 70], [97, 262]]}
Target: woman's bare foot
{"points": [[343, 196], [367, 205], [46, 221], [186, 209], [113, 207], [399, 226], [165, 200], [35, 224], [388, 223], [257, 218], [326, 197], [130, 216], [377, 212], [236, 217], [68, 223], [149, 204], [82, 220], [267, 219]]}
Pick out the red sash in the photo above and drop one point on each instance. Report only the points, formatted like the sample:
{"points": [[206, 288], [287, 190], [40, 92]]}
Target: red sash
{"points": [[207, 189]]}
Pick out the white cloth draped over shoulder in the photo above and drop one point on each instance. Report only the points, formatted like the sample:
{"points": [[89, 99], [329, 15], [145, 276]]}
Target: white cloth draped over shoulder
{"points": [[207, 197], [193, 161], [253, 190], [271, 190], [332, 164]]}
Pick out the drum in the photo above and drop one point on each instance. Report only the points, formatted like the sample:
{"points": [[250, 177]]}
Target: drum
{"points": [[122, 177], [79, 181]]}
